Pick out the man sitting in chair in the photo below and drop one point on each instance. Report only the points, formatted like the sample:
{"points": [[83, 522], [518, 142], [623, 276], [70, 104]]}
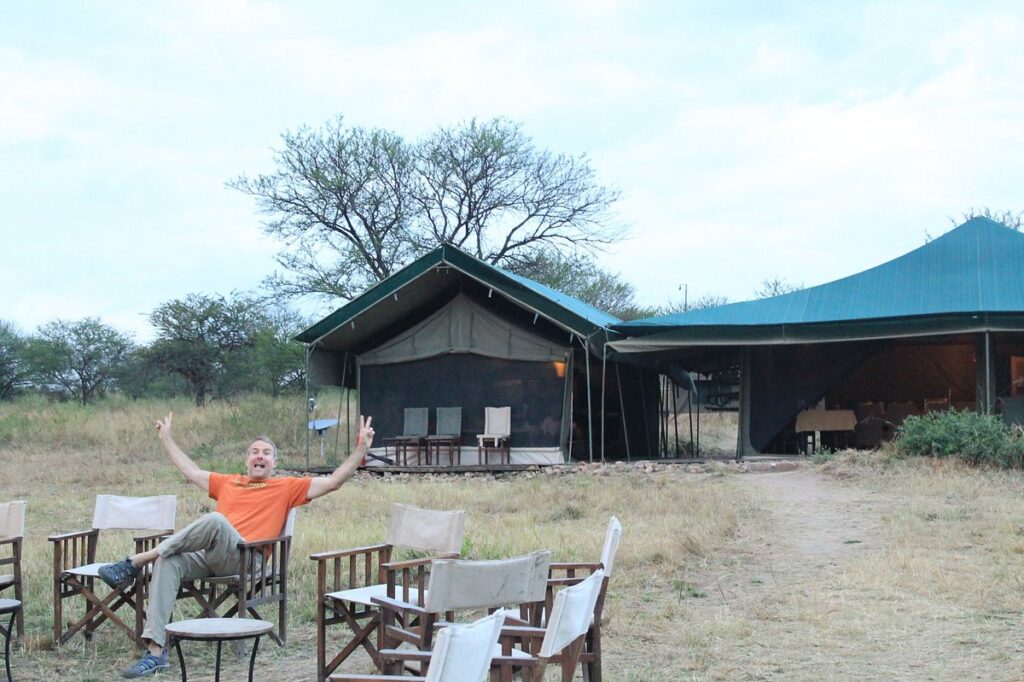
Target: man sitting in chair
{"points": [[249, 508]]}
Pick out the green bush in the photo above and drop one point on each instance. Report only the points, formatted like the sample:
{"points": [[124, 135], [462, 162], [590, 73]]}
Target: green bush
{"points": [[973, 437]]}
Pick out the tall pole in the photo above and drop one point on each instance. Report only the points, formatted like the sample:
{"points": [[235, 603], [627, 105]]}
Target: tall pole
{"points": [[622, 411], [988, 373], [604, 365], [590, 413], [309, 350]]}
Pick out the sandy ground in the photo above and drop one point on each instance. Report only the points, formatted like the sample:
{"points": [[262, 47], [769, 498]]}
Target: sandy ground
{"points": [[818, 520]]}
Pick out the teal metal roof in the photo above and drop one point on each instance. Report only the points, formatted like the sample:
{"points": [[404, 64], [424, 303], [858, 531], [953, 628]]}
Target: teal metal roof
{"points": [[579, 317], [969, 275]]}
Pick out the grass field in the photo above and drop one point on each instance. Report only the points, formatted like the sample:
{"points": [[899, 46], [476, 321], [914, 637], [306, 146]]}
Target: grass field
{"points": [[891, 569]]}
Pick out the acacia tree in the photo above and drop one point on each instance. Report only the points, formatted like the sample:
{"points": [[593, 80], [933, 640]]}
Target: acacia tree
{"points": [[198, 337], [579, 276], [13, 369], [1012, 219], [81, 358], [776, 286], [354, 205]]}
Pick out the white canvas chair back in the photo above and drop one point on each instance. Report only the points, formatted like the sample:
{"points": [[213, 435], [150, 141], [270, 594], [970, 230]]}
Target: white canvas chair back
{"points": [[289, 523], [462, 653], [497, 421], [449, 421], [611, 545], [135, 513], [426, 530], [461, 584], [571, 614], [12, 519], [416, 419]]}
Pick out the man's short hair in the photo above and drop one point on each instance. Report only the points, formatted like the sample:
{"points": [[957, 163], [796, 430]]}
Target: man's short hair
{"points": [[264, 439]]}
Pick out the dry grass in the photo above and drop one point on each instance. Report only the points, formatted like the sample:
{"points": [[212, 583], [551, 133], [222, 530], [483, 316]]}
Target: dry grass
{"points": [[718, 576], [59, 457]]}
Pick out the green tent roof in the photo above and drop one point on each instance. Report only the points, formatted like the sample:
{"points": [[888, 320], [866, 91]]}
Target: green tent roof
{"points": [[412, 288], [969, 279]]}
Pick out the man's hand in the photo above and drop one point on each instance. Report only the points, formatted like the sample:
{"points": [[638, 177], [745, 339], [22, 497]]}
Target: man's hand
{"points": [[364, 439], [163, 426], [185, 465], [325, 484]]}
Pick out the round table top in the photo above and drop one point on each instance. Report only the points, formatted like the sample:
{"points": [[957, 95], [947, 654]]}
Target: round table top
{"points": [[8, 605], [219, 628]]}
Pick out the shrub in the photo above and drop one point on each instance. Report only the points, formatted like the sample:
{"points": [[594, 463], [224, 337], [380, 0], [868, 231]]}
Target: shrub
{"points": [[973, 437]]}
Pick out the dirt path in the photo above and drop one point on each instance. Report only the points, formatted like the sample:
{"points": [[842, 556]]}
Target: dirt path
{"points": [[818, 520]]}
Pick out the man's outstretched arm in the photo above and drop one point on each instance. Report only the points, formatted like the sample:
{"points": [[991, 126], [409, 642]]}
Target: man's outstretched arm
{"points": [[322, 485], [184, 463]]}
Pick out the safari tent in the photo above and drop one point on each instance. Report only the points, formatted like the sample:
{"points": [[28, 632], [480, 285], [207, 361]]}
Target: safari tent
{"points": [[941, 325], [450, 330]]}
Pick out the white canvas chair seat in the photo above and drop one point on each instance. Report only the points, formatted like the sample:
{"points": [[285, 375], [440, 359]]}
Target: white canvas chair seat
{"points": [[490, 438], [366, 595], [6, 580], [87, 571]]}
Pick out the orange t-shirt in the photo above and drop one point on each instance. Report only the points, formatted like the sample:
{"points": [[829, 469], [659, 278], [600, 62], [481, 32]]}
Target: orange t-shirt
{"points": [[258, 509]]}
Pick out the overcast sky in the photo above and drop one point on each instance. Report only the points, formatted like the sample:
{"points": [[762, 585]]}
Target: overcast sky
{"points": [[750, 140]]}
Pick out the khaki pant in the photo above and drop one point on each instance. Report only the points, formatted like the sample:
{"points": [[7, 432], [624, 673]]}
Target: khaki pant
{"points": [[206, 547]]}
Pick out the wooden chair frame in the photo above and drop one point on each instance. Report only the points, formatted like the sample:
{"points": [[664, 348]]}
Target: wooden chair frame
{"points": [[362, 567], [532, 659], [15, 541], [414, 433], [567, 574], [493, 440], [77, 549], [522, 646], [262, 579], [365, 568], [447, 436], [481, 650], [75, 567], [403, 622]]}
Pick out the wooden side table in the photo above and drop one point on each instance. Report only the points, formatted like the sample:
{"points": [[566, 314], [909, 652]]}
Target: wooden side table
{"points": [[217, 630], [11, 606], [441, 443]]}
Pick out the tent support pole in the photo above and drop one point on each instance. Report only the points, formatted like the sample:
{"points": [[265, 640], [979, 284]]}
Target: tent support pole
{"points": [[988, 372], [344, 392], [696, 451], [622, 411], [309, 351], [643, 405], [689, 412], [590, 414], [572, 403], [604, 368], [675, 417]]}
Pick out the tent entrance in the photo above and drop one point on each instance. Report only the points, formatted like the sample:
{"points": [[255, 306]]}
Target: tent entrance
{"points": [[534, 390]]}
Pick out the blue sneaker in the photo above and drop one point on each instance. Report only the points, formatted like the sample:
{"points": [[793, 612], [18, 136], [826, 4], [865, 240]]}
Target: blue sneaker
{"points": [[147, 665], [119, 574]]}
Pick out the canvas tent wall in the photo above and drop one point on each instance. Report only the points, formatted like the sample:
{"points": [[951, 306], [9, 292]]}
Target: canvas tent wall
{"points": [[406, 336], [467, 356], [953, 306]]}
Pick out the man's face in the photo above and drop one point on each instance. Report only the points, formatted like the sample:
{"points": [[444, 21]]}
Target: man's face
{"points": [[259, 462]]}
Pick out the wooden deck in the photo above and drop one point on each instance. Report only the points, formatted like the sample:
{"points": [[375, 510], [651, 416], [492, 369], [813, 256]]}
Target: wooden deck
{"points": [[432, 469]]}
